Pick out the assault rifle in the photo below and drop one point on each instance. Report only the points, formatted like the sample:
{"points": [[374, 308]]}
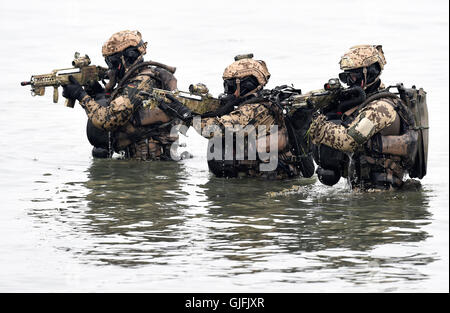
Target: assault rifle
{"points": [[82, 71], [333, 96], [198, 99]]}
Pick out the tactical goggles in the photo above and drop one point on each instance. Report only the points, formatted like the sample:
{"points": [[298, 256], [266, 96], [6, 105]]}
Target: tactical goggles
{"points": [[351, 77]]}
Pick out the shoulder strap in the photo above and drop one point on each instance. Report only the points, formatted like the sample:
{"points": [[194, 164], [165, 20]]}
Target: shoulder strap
{"points": [[136, 67]]}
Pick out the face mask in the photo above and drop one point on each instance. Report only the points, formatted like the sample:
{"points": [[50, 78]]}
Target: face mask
{"points": [[248, 84], [130, 55], [115, 66], [114, 61]]}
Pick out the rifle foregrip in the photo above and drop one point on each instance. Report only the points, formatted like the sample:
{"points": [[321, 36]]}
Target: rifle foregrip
{"points": [[70, 103]]}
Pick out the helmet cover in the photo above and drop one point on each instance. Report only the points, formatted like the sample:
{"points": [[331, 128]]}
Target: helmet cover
{"points": [[248, 67], [362, 56], [119, 41]]}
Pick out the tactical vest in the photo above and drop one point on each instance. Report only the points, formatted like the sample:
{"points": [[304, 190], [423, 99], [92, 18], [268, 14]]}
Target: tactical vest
{"points": [[151, 142]]}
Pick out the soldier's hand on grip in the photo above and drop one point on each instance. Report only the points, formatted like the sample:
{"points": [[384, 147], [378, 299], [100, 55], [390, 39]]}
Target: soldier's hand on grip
{"points": [[93, 89], [73, 91], [303, 117], [177, 108]]}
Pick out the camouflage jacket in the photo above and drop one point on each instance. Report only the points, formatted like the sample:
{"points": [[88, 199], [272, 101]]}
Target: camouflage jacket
{"points": [[370, 120], [252, 114]]}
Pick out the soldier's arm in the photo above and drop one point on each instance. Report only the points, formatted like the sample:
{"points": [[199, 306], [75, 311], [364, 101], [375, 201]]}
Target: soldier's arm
{"points": [[121, 108], [108, 118], [375, 117], [168, 80], [240, 117]]}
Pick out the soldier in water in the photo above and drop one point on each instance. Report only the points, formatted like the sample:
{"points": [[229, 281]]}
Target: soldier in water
{"points": [[115, 112], [375, 143], [245, 107]]}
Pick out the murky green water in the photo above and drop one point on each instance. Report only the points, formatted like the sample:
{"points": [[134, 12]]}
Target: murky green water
{"points": [[72, 223]]}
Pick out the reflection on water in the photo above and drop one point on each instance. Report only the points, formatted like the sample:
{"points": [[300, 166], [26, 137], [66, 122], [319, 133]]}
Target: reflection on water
{"points": [[132, 214]]}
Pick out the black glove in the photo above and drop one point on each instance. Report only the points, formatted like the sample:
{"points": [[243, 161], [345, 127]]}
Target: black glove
{"points": [[177, 108], [302, 118], [73, 91], [227, 104], [93, 89]]}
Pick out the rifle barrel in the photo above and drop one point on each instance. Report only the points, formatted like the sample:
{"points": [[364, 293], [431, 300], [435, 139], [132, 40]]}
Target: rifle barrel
{"points": [[26, 83]]}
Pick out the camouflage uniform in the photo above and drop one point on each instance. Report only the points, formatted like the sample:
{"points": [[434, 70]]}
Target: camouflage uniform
{"points": [[372, 119], [120, 117], [253, 114], [354, 134]]}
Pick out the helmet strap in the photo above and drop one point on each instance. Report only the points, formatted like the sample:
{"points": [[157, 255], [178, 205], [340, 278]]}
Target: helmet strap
{"points": [[138, 59], [252, 91], [374, 81], [365, 77], [238, 88], [124, 64]]}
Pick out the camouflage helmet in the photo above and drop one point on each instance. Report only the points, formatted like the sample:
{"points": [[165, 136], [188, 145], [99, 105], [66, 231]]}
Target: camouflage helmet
{"points": [[362, 56], [245, 66], [119, 41]]}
